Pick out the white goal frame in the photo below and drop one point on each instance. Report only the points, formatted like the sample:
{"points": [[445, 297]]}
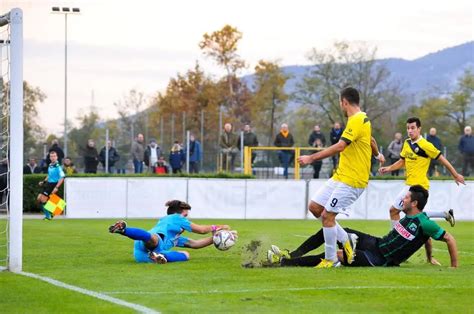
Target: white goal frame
{"points": [[14, 19]]}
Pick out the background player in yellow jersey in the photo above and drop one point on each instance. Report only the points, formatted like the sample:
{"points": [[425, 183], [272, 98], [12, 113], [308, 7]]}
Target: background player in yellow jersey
{"points": [[416, 156], [348, 182]]}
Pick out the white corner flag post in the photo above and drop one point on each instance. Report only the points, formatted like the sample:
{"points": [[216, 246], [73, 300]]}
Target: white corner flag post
{"points": [[15, 244]]}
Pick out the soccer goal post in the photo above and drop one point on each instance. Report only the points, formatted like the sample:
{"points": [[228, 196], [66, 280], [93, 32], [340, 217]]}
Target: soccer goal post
{"points": [[11, 26]]}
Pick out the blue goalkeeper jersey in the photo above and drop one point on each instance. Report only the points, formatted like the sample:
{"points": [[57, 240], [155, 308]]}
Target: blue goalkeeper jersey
{"points": [[170, 229]]}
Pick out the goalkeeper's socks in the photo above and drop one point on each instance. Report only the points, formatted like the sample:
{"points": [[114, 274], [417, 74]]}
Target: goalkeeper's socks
{"points": [[137, 234], [174, 256]]}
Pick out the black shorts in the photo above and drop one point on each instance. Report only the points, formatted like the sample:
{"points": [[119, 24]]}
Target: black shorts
{"points": [[48, 187], [367, 251]]}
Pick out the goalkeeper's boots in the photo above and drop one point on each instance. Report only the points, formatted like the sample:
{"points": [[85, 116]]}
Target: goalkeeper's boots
{"points": [[325, 263], [449, 216], [118, 227], [281, 253], [157, 258], [350, 247]]}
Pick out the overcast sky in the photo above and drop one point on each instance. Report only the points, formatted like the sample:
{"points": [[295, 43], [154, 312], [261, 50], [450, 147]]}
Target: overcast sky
{"points": [[117, 45]]}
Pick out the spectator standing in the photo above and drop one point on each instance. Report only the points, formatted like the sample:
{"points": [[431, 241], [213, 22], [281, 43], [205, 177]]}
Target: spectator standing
{"points": [[466, 147], [394, 149], [152, 155], [59, 152], [285, 139], [176, 158], [250, 139], [318, 144], [138, 153], [113, 156], [31, 167], [228, 144], [334, 136], [68, 166], [194, 154], [91, 157], [436, 141], [316, 134]]}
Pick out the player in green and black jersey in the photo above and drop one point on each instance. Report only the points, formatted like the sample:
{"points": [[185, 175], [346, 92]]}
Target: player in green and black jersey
{"points": [[407, 236]]}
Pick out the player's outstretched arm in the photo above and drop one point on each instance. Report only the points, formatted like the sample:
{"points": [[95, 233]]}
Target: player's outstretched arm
{"points": [[328, 152], [203, 229], [395, 166], [198, 244], [458, 178], [452, 248]]}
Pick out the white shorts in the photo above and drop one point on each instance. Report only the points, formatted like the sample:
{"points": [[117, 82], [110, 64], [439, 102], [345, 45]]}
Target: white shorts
{"points": [[337, 197], [398, 201]]}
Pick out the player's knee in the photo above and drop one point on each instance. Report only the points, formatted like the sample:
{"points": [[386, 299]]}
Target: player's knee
{"points": [[328, 219], [315, 209]]}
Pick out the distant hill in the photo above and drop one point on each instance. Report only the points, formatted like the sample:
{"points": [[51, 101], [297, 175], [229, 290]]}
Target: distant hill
{"points": [[440, 68]]}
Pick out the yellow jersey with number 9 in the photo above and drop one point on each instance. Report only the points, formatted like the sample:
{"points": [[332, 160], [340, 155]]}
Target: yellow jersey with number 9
{"points": [[354, 162]]}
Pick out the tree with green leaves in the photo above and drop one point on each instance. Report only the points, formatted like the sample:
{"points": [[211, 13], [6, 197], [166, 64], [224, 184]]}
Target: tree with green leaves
{"points": [[33, 133], [344, 66]]}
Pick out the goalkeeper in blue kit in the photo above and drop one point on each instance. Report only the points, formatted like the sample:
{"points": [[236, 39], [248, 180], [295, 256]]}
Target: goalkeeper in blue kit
{"points": [[407, 236], [154, 246]]}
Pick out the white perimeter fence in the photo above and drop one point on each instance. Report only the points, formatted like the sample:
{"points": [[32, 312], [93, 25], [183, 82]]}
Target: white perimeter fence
{"points": [[241, 199]]}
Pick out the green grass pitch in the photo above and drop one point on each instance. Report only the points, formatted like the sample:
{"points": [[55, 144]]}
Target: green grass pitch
{"points": [[84, 254]]}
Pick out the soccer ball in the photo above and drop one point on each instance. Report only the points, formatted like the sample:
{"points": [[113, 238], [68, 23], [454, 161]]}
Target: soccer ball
{"points": [[224, 240]]}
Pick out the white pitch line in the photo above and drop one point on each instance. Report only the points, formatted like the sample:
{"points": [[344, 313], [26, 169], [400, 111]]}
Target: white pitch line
{"points": [[94, 294], [301, 236], [280, 289]]}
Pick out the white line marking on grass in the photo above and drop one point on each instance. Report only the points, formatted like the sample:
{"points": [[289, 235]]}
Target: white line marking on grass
{"points": [[301, 236], [282, 289], [101, 296], [462, 252]]}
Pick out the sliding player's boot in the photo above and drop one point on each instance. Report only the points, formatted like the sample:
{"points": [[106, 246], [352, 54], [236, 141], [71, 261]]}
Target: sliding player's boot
{"points": [[157, 258], [118, 227]]}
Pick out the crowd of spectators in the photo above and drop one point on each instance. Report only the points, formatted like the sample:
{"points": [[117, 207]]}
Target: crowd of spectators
{"points": [[230, 143]]}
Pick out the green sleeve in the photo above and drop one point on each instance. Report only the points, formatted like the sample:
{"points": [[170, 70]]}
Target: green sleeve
{"points": [[432, 229]]}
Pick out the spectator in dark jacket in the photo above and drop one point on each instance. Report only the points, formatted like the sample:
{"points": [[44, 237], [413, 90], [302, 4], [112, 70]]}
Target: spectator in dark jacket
{"points": [[113, 157], [194, 154], [250, 139], [152, 155], [91, 157], [466, 147], [335, 136], [31, 167], [436, 141], [285, 139], [55, 147], [176, 158], [316, 134]]}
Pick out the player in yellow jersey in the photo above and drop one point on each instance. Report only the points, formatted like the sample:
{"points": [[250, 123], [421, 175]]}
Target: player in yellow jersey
{"points": [[356, 147], [416, 156]]}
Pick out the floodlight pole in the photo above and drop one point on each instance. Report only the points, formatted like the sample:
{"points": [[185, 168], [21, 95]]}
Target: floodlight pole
{"points": [[66, 11]]}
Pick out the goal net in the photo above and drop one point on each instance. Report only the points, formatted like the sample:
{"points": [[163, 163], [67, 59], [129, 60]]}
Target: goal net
{"points": [[11, 140]]}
